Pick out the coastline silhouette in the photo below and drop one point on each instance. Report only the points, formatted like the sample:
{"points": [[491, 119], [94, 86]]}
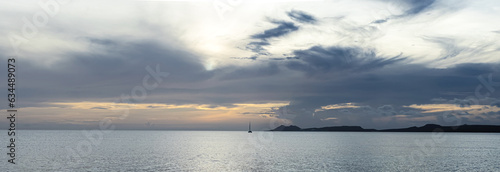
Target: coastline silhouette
{"points": [[425, 128]]}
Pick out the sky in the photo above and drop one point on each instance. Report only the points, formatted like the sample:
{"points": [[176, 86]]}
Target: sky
{"points": [[217, 64]]}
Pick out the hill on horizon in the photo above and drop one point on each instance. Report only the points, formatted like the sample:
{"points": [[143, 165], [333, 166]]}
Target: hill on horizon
{"points": [[425, 128]]}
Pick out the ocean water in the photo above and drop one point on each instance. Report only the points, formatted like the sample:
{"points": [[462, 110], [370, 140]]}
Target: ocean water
{"points": [[121, 150]]}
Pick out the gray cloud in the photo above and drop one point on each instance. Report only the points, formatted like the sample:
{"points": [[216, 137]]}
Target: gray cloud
{"points": [[301, 17], [417, 6], [234, 72], [282, 29], [308, 78], [450, 49], [388, 88], [380, 21], [99, 108], [324, 76], [258, 47], [350, 59], [468, 101], [106, 74], [412, 7]]}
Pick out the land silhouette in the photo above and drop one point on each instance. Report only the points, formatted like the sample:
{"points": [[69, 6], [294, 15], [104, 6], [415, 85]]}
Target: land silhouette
{"points": [[425, 128]]}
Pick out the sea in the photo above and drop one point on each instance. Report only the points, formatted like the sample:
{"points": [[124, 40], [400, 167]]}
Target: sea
{"points": [[138, 150]]}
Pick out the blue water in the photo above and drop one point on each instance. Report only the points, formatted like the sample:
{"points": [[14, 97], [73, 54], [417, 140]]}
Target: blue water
{"points": [[61, 150]]}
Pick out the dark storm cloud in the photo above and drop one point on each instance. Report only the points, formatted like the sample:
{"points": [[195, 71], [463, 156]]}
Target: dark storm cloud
{"points": [[311, 78], [405, 83], [265, 70], [495, 103], [325, 59], [389, 89], [301, 17], [335, 75], [116, 71], [474, 69]]}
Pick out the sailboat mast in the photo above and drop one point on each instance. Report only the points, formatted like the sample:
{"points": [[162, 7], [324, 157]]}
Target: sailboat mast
{"points": [[249, 127]]}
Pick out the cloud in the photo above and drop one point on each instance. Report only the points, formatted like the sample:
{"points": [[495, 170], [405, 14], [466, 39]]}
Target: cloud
{"points": [[234, 72], [102, 108], [144, 106], [495, 103], [258, 47], [417, 6], [380, 21], [433, 108], [410, 7], [337, 106], [326, 76], [450, 49], [282, 29], [468, 101], [393, 89], [251, 58], [326, 59], [105, 42], [455, 50], [108, 73], [301, 17], [333, 65]]}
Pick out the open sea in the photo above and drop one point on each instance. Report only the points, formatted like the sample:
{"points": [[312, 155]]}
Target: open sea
{"points": [[123, 150]]}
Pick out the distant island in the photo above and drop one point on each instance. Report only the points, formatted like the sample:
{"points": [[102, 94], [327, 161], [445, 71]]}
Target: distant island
{"points": [[425, 128]]}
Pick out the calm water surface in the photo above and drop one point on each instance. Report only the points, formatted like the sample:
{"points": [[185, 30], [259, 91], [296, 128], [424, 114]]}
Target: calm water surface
{"points": [[39, 150]]}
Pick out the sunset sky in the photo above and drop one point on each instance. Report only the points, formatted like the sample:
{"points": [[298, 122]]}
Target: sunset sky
{"points": [[310, 63]]}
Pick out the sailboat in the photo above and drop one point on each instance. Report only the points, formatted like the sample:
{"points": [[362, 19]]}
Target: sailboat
{"points": [[249, 127]]}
